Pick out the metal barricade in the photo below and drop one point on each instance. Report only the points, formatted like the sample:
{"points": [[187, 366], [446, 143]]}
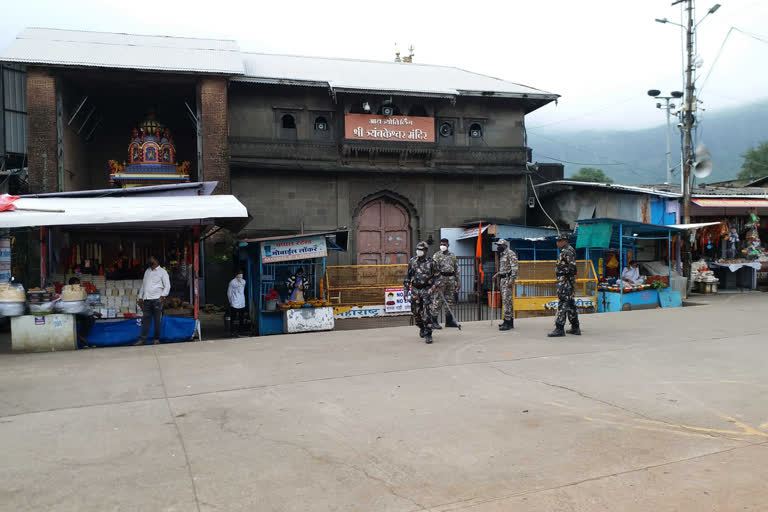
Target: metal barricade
{"points": [[536, 287], [362, 285]]}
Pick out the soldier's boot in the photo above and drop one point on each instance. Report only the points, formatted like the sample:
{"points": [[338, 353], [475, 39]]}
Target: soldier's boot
{"points": [[558, 332], [450, 321], [436, 324], [428, 338], [422, 332], [507, 325], [574, 329]]}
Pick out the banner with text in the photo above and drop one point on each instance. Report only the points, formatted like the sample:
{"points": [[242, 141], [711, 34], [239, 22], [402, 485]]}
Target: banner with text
{"points": [[294, 249], [395, 301], [392, 128]]}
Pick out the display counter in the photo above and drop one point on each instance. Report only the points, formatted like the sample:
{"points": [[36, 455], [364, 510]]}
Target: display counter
{"points": [[43, 333], [611, 302], [737, 275], [308, 320]]}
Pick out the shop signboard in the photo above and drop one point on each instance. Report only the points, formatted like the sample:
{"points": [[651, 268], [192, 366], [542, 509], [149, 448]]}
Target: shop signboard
{"points": [[395, 300], [294, 249], [581, 302], [343, 312], [5, 260], [389, 128]]}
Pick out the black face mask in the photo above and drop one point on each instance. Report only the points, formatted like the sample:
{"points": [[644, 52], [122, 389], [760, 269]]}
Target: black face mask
{"points": [[502, 248]]}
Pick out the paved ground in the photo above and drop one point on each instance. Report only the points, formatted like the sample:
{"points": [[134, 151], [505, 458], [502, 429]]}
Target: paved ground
{"points": [[649, 410]]}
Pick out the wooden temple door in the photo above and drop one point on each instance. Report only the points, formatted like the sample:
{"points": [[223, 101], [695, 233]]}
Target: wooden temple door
{"points": [[383, 234]]}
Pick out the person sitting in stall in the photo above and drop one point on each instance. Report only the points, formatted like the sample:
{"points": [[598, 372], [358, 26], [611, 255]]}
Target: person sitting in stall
{"points": [[298, 285], [85, 320], [631, 273]]}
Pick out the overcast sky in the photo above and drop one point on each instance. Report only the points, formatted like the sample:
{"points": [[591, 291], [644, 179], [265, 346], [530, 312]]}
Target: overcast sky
{"points": [[600, 55]]}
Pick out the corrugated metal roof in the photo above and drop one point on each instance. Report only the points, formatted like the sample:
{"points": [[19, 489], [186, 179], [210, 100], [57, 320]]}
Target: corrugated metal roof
{"points": [[612, 186], [394, 77], [124, 51], [658, 190]]}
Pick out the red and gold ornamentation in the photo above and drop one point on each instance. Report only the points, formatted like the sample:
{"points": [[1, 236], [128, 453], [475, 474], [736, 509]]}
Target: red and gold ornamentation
{"points": [[151, 158]]}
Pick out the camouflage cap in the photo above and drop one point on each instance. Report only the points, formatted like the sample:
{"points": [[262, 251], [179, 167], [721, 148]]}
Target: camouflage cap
{"points": [[501, 241], [563, 236], [422, 245]]}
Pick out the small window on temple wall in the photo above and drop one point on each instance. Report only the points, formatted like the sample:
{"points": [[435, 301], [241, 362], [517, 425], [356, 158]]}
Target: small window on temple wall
{"points": [[288, 122], [475, 131], [418, 111]]}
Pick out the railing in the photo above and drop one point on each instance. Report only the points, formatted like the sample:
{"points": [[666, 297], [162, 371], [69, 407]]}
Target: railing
{"points": [[536, 286], [362, 285]]}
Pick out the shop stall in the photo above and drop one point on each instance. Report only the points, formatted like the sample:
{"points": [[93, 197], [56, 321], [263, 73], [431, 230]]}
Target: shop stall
{"points": [[603, 238], [106, 242], [732, 245], [286, 286]]}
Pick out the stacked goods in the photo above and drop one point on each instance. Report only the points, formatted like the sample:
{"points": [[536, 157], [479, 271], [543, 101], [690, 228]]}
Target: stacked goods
{"points": [[41, 301], [73, 292], [120, 298], [38, 296], [309, 304], [11, 294], [12, 300]]}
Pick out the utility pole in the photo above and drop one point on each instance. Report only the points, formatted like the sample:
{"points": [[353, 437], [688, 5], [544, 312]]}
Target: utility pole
{"points": [[655, 93], [669, 144], [690, 102]]}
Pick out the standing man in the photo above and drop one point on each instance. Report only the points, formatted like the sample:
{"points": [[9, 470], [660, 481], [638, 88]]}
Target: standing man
{"points": [[448, 281], [508, 274], [236, 296], [154, 289], [565, 270], [420, 281]]}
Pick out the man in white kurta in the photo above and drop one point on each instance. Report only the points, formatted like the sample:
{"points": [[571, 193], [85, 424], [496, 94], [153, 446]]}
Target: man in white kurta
{"points": [[236, 296]]}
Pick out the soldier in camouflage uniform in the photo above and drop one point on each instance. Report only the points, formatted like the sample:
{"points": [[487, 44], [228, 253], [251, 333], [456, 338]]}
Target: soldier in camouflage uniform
{"points": [[421, 280], [448, 282], [508, 275], [565, 270]]}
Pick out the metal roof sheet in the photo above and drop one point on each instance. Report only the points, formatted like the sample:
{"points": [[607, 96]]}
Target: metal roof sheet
{"points": [[124, 51], [377, 76], [79, 211], [609, 186]]}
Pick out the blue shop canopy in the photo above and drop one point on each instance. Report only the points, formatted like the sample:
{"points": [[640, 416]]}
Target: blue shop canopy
{"points": [[607, 233]]}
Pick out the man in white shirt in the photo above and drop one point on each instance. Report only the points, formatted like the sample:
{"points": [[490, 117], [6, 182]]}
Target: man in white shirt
{"points": [[236, 296], [631, 274], [154, 289]]}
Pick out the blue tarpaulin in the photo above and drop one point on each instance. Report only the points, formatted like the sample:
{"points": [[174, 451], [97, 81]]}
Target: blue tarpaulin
{"points": [[126, 332]]}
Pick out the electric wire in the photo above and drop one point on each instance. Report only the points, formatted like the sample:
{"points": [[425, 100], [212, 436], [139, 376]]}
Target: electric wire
{"points": [[536, 195]]}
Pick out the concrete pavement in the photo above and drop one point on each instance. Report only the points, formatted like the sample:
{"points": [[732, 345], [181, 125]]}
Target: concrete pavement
{"points": [[648, 410]]}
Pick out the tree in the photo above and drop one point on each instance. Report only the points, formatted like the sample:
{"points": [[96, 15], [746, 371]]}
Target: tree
{"points": [[755, 163], [591, 175]]}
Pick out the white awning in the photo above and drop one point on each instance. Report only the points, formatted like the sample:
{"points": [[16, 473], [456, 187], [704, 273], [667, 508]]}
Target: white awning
{"points": [[694, 226], [123, 211]]}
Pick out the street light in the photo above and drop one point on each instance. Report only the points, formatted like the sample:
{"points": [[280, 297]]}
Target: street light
{"points": [[668, 107], [712, 10], [665, 20]]}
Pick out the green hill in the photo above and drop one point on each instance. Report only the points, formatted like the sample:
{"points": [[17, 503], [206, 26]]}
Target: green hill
{"points": [[640, 154]]}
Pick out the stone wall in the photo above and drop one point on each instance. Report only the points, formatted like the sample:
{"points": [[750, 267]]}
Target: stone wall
{"points": [[283, 202]]}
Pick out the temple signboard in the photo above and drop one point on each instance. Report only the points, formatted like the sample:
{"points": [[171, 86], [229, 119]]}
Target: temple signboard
{"points": [[389, 128]]}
